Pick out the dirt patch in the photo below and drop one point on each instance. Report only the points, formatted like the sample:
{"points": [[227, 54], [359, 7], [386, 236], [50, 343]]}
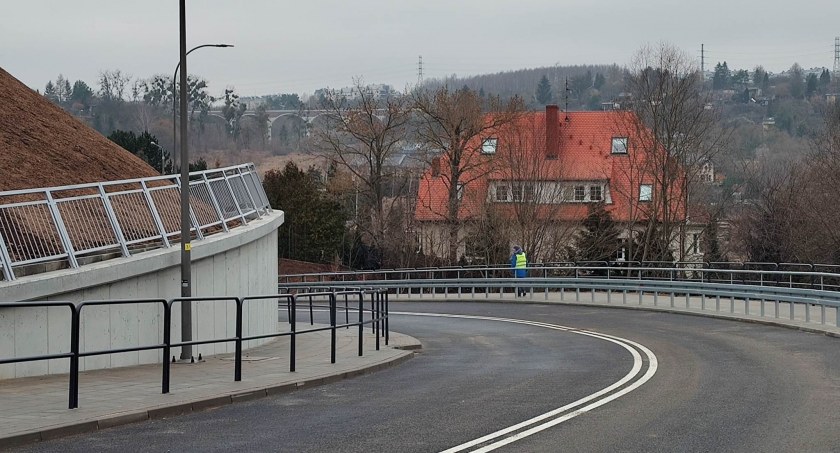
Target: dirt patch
{"points": [[41, 145]]}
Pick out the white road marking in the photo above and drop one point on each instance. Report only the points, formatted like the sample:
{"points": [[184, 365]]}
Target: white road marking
{"points": [[552, 416]]}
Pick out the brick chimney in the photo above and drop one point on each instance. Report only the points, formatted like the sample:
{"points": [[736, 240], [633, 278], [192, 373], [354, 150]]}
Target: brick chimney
{"points": [[552, 131], [436, 166]]}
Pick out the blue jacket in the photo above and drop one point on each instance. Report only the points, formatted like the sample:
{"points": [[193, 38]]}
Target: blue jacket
{"points": [[518, 258]]}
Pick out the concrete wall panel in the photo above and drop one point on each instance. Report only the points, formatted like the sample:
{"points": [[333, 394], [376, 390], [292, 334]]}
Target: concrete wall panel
{"points": [[240, 263]]}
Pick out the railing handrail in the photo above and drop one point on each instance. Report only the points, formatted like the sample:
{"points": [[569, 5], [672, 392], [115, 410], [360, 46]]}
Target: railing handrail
{"points": [[55, 227], [377, 320], [541, 267]]}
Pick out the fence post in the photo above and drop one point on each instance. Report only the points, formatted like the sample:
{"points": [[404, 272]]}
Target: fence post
{"points": [[215, 202], [147, 194], [387, 328], [6, 261], [332, 325], [293, 320], [62, 230], [74, 358], [361, 320], [167, 340], [237, 368], [112, 218], [238, 171], [378, 318]]}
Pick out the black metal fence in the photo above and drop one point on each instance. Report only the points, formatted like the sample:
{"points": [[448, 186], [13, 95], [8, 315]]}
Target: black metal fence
{"points": [[377, 318]]}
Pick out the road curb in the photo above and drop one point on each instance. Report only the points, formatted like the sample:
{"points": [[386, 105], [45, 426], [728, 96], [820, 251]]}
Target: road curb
{"points": [[199, 405]]}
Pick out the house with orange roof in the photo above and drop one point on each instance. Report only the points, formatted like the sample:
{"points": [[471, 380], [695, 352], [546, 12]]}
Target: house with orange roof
{"points": [[544, 172]]}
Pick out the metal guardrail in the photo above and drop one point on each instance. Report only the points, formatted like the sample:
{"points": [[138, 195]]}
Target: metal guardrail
{"points": [[743, 273], [377, 318], [799, 290], [75, 224]]}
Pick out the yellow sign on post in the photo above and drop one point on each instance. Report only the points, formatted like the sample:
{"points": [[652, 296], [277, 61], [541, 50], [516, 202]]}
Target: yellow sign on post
{"points": [[187, 246]]}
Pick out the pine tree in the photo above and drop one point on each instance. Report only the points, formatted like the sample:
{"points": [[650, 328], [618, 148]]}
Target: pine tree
{"points": [[599, 240], [543, 93], [722, 76], [825, 78]]}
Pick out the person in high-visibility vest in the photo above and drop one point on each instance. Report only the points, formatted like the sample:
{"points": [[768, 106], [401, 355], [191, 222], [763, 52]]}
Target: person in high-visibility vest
{"points": [[519, 262]]}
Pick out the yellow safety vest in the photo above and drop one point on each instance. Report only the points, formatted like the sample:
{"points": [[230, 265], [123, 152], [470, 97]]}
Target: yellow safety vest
{"points": [[520, 260]]}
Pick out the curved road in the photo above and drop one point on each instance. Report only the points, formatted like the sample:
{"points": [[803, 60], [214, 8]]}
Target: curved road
{"points": [[709, 385]]}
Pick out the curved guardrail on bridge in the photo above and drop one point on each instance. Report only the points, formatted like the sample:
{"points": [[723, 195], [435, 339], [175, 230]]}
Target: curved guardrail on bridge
{"points": [[809, 297], [51, 228]]}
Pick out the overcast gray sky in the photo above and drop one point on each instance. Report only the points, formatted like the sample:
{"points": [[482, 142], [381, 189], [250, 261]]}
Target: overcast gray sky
{"points": [[299, 46]]}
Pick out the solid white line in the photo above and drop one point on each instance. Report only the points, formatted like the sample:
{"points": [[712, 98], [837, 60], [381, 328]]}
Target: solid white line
{"points": [[637, 365]]}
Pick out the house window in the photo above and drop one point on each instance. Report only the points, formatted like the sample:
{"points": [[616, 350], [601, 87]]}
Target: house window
{"points": [[646, 192], [488, 146], [528, 192], [580, 193], [595, 193], [695, 243], [619, 145], [502, 192], [621, 255]]}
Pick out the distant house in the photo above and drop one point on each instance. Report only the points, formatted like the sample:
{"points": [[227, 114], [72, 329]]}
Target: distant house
{"points": [[559, 163]]}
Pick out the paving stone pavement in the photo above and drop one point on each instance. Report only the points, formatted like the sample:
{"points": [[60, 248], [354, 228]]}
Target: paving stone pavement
{"points": [[35, 408]]}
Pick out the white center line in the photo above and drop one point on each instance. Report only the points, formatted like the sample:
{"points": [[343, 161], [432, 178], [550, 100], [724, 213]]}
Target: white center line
{"points": [[606, 395]]}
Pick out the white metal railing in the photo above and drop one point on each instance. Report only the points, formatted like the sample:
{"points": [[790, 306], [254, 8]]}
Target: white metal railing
{"points": [[70, 224], [808, 297]]}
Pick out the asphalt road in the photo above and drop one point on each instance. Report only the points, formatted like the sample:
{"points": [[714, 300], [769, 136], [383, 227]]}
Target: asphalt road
{"points": [[718, 386]]}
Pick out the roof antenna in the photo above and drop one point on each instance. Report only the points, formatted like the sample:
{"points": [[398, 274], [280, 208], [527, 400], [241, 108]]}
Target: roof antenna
{"points": [[566, 109]]}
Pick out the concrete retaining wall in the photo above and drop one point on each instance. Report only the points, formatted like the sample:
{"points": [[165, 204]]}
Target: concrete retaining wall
{"points": [[240, 263]]}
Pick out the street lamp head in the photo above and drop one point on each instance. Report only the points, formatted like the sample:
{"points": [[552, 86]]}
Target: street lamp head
{"points": [[223, 45]]}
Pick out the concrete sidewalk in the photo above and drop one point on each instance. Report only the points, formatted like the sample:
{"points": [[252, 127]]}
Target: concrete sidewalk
{"points": [[34, 409]]}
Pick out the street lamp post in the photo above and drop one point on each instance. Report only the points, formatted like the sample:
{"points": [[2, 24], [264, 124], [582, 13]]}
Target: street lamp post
{"points": [[174, 98], [162, 170], [186, 278]]}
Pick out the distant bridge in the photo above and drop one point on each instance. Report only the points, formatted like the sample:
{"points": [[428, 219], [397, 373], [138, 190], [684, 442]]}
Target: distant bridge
{"points": [[299, 120]]}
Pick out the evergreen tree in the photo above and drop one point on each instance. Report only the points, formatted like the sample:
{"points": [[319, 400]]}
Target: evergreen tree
{"points": [[811, 85], [49, 91], [543, 93], [722, 77], [599, 81], [314, 227], [81, 93], [599, 240], [758, 75], [825, 79], [146, 147]]}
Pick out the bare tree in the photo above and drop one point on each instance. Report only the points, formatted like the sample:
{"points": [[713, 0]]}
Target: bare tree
{"points": [[112, 85], [363, 135], [678, 133], [529, 183], [457, 134], [820, 195]]}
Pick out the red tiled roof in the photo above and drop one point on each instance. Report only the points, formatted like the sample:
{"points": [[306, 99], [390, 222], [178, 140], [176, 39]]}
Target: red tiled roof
{"points": [[584, 153]]}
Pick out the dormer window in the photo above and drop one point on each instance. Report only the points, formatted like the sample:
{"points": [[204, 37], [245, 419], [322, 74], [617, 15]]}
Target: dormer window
{"points": [[488, 146], [619, 145]]}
